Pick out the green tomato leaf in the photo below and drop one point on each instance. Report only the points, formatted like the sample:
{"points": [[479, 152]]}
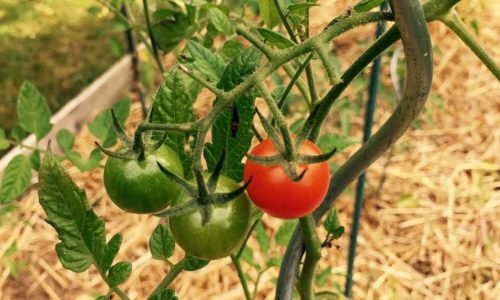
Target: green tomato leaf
{"points": [[193, 264], [169, 31], [81, 232], [65, 139], [275, 38], [220, 21], [16, 178], [83, 165], [269, 13], [231, 49], [225, 136], [119, 273], [247, 255], [18, 133], [110, 251], [262, 237], [208, 63], [322, 276], [35, 160], [329, 141], [167, 294], [102, 125], [4, 143], [274, 262], [285, 232], [173, 104], [161, 243], [331, 224], [366, 5], [116, 47], [33, 111], [301, 7]]}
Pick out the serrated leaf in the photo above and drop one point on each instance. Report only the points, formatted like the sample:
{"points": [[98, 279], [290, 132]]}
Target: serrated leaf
{"points": [[275, 38], [4, 143], [208, 63], [167, 294], [174, 104], [262, 237], [65, 139], [231, 49], [110, 251], [168, 32], [269, 13], [285, 232], [193, 264], [35, 160], [85, 165], [235, 143], [161, 243], [119, 273], [102, 125], [366, 5], [16, 178], [220, 21], [81, 232], [329, 141], [33, 111]]}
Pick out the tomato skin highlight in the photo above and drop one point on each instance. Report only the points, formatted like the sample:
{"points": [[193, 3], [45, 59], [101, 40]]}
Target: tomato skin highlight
{"points": [[222, 235], [272, 191], [141, 187]]}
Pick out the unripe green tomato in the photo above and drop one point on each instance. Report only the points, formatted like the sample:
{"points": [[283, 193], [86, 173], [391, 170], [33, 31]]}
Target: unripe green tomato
{"points": [[140, 186], [222, 235]]}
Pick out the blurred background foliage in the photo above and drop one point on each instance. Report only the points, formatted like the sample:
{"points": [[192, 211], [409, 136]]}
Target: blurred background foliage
{"points": [[59, 45]]}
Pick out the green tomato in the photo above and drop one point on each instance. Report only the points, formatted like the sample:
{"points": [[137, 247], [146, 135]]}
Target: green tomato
{"points": [[140, 186], [222, 234]]}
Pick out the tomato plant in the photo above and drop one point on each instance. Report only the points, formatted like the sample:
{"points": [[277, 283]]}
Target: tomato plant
{"points": [[222, 234], [139, 186], [275, 193]]}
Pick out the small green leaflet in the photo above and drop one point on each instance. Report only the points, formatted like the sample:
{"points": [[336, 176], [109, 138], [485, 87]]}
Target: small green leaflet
{"points": [[366, 5], [285, 232], [84, 165], [102, 125], [230, 49], [65, 139], [262, 237], [18, 133], [269, 13], [209, 64], [82, 233], [174, 104], [224, 136], [220, 21], [35, 160], [301, 7], [332, 224], [33, 111], [16, 178], [4, 143], [167, 294], [193, 264], [168, 32], [275, 38], [161, 243]]}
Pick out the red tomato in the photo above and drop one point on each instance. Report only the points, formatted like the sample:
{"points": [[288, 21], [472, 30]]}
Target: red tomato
{"points": [[272, 191]]}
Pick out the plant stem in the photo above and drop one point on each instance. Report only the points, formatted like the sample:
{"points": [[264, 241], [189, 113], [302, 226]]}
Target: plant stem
{"points": [[313, 255], [156, 55], [240, 251], [290, 71], [15, 143], [167, 280], [453, 21], [358, 205], [241, 275]]}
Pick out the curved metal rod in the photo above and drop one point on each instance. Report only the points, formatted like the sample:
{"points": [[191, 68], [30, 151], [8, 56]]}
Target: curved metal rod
{"points": [[410, 21]]}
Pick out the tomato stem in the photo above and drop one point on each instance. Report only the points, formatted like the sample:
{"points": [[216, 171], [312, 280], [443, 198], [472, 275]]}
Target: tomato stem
{"points": [[175, 270], [241, 275], [313, 255]]}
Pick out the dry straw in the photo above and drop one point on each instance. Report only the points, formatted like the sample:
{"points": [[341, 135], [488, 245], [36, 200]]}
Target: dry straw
{"points": [[431, 224]]}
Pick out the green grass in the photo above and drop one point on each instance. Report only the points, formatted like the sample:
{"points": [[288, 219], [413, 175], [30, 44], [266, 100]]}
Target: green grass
{"points": [[56, 44]]}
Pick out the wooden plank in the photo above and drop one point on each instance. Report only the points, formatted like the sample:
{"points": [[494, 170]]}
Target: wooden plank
{"points": [[98, 96]]}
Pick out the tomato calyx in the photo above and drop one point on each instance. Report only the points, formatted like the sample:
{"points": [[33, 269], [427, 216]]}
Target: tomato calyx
{"points": [[202, 198], [289, 156]]}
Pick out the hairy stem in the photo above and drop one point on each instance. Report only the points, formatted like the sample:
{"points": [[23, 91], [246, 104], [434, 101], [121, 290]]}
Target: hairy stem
{"points": [[313, 255], [453, 21]]}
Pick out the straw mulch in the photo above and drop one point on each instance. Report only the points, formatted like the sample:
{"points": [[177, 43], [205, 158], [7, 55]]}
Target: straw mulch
{"points": [[431, 223]]}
